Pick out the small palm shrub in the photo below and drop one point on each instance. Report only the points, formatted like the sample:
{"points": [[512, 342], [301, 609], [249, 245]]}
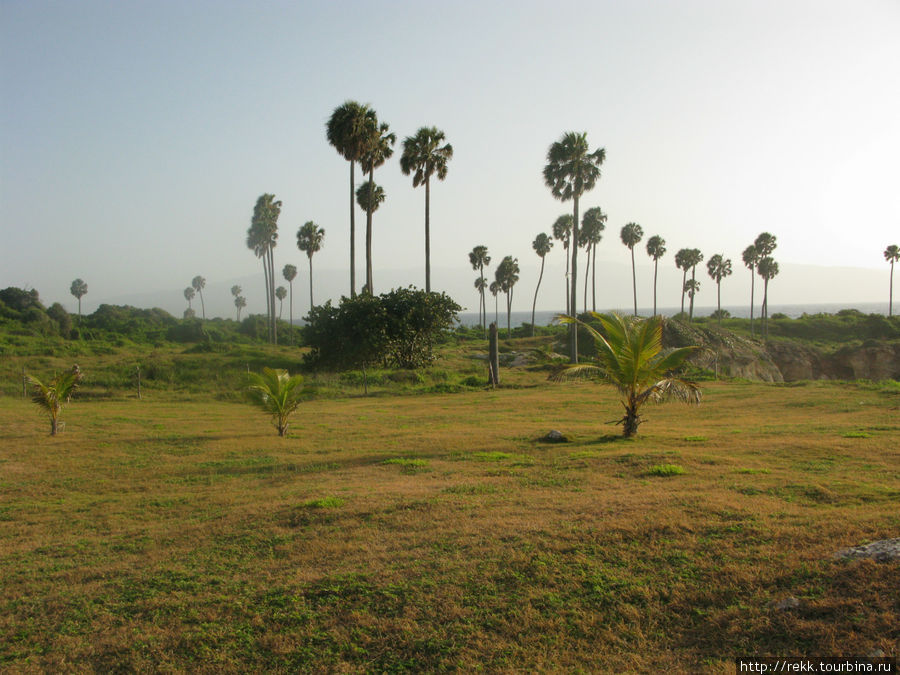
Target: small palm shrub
{"points": [[276, 393], [51, 396]]}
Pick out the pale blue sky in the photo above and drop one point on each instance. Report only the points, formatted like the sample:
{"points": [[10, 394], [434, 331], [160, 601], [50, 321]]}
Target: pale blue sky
{"points": [[135, 138]]}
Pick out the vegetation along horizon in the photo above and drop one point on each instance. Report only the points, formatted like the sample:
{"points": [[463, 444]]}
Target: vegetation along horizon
{"points": [[402, 514]]}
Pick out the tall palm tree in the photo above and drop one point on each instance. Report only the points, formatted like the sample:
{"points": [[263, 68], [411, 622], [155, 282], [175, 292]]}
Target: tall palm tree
{"points": [[656, 249], [276, 393], [571, 170], [380, 149], [507, 274], [189, 294], [495, 288], [78, 289], [309, 240], [765, 244], [479, 258], [682, 262], [481, 287], [562, 232], [691, 287], [424, 157], [199, 283], [592, 225], [892, 255], [631, 234], [718, 267], [51, 396], [348, 130], [692, 258], [239, 302], [631, 358], [541, 245], [767, 268], [290, 273], [262, 237], [369, 196], [751, 260], [281, 294]]}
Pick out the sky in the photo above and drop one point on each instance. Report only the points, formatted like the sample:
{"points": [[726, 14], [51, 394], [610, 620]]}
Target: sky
{"points": [[135, 138]]}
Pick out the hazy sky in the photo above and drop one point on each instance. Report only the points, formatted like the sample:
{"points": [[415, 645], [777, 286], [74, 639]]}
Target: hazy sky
{"points": [[136, 136]]}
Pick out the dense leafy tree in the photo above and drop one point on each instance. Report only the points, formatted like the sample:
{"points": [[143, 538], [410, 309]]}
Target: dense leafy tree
{"points": [[51, 397], [631, 359], [751, 258], [276, 393], [349, 131], [656, 249], [631, 234], [507, 275], [199, 283], [892, 255], [79, 289], [289, 272], [562, 232], [479, 259], [309, 240], [571, 170], [424, 157], [592, 225], [541, 245]]}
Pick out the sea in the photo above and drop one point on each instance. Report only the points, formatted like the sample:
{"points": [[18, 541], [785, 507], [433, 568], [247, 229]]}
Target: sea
{"points": [[545, 318]]}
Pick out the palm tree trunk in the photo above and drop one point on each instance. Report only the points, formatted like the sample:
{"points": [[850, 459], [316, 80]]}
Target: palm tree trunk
{"points": [[594, 278], [496, 310], [272, 294], [765, 309], [352, 235], [587, 268], [655, 272], [633, 280], [202, 304], [427, 236], [508, 312], [683, 282], [752, 285], [310, 283], [534, 304], [890, 295], [573, 329], [693, 292], [568, 280], [291, 310], [483, 302], [268, 307], [369, 236]]}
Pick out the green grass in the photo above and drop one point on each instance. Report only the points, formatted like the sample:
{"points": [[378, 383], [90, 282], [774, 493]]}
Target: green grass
{"points": [[435, 533]]}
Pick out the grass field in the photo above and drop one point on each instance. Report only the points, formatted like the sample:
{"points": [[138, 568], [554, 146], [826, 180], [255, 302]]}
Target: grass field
{"points": [[436, 532]]}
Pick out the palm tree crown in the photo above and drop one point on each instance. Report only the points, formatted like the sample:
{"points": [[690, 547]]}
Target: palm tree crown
{"points": [[631, 359], [718, 267], [78, 289], [423, 157]]}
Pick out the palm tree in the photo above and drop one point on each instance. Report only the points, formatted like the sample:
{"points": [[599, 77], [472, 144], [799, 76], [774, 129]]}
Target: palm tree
{"points": [[507, 274], [656, 249], [290, 273], [692, 258], [592, 225], [199, 283], [631, 358], [349, 131], [380, 149], [562, 232], [495, 288], [751, 260], [281, 294], [892, 255], [239, 302], [682, 262], [691, 287], [369, 196], [765, 244], [631, 234], [51, 396], [481, 287], [424, 156], [309, 239], [571, 170], [78, 289], [277, 393], [236, 290], [261, 239], [718, 267], [189, 294], [767, 268], [479, 258], [541, 245]]}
